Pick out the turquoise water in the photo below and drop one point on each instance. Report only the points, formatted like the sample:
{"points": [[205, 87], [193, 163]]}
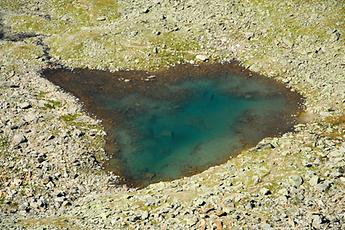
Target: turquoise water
{"points": [[167, 130]]}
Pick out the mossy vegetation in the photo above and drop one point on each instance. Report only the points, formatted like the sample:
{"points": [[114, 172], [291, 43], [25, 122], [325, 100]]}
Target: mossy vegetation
{"points": [[58, 16], [75, 39], [84, 12], [112, 50], [36, 24], [337, 125], [41, 95], [11, 5], [52, 104], [72, 119], [68, 118]]}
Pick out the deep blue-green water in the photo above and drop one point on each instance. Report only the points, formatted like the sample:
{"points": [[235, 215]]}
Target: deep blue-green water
{"points": [[166, 130]]}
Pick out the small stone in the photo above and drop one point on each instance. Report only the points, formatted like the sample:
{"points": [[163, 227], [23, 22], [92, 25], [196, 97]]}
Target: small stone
{"points": [[267, 227], [134, 218], [42, 203], [61, 194], [322, 187], [31, 117], [200, 202], [17, 182], [287, 43], [342, 179], [336, 35], [25, 206], [256, 179], [59, 200], [266, 144], [249, 35], [325, 114], [101, 18], [25, 105], [296, 180], [265, 191], [316, 221], [145, 10], [221, 213], [14, 85], [251, 204], [78, 133], [13, 127], [155, 50], [145, 215], [191, 221], [41, 158], [282, 199], [19, 139], [314, 180], [202, 57], [157, 33]]}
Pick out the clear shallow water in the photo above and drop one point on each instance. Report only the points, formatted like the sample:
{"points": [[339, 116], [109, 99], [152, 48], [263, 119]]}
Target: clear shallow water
{"points": [[166, 129]]}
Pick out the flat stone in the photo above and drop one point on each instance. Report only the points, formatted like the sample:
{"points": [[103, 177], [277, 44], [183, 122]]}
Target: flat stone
{"points": [[296, 180], [31, 117], [101, 18], [322, 187], [267, 227], [24, 105]]}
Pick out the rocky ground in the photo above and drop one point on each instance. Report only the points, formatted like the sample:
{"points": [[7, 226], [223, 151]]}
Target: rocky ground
{"points": [[51, 151]]}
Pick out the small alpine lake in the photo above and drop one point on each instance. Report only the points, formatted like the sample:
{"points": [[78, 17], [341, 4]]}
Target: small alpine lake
{"points": [[166, 125]]}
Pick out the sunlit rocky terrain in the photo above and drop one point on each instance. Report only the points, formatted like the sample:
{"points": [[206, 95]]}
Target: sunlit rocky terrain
{"points": [[52, 150]]}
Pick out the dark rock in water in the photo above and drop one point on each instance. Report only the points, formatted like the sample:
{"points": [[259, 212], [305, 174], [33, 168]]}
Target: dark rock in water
{"points": [[186, 120]]}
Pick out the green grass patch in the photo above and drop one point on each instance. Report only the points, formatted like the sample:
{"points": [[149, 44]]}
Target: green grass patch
{"points": [[52, 104], [41, 95], [84, 12], [70, 117], [36, 24], [11, 5], [96, 48]]}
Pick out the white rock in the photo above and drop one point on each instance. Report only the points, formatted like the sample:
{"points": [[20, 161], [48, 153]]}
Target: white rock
{"points": [[296, 180], [202, 57], [24, 105], [314, 180], [18, 139]]}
